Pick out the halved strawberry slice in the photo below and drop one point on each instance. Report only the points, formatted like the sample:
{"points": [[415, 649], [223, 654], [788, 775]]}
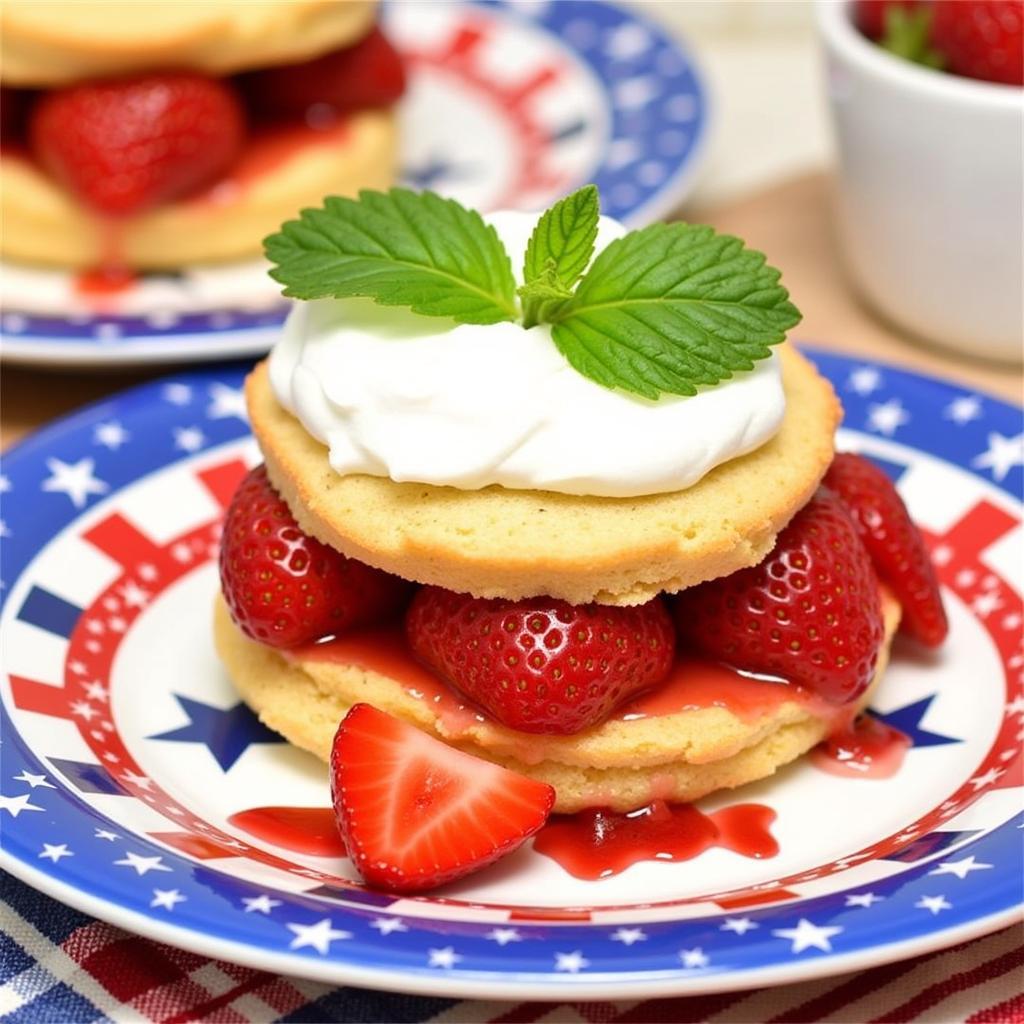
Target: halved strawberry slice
{"points": [[416, 813]]}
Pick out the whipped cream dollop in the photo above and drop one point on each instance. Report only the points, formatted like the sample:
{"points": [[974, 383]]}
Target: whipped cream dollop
{"points": [[415, 398]]}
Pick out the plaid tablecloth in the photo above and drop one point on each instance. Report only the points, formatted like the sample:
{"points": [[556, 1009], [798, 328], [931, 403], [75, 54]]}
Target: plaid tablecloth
{"points": [[57, 965]]}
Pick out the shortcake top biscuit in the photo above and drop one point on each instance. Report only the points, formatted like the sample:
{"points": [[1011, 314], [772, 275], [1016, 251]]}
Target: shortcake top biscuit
{"points": [[54, 42], [621, 763], [496, 542]]}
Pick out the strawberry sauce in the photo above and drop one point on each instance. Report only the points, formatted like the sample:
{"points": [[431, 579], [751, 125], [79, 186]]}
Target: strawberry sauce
{"points": [[383, 650], [693, 684], [598, 843], [309, 830], [867, 748]]}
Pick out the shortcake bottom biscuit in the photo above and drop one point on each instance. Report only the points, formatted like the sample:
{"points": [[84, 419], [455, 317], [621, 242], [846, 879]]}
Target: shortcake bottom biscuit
{"points": [[620, 764], [274, 179]]}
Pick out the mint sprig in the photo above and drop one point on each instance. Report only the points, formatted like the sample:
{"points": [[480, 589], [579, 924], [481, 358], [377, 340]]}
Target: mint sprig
{"points": [[670, 308], [399, 248], [664, 310], [558, 252]]}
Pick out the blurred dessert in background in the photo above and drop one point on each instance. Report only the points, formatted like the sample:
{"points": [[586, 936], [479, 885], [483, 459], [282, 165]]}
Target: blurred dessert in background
{"points": [[153, 136]]}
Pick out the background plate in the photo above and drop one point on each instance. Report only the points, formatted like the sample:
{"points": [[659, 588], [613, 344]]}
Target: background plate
{"points": [[510, 105], [126, 754]]}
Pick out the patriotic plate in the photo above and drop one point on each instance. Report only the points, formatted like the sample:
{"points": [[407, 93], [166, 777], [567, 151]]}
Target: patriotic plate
{"points": [[511, 104], [127, 758]]}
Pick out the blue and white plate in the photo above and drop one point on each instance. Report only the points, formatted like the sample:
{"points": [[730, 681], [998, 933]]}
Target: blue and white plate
{"points": [[512, 103], [126, 753]]}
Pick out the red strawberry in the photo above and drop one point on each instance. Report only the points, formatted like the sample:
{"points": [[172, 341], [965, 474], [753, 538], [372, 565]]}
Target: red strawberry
{"points": [[126, 145], [369, 74], [415, 813], [810, 612], [540, 664], [870, 15], [893, 542], [12, 113], [285, 588], [981, 38]]}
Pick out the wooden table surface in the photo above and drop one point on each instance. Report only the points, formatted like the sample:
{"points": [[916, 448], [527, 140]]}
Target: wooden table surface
{"points": [[790, 223]]}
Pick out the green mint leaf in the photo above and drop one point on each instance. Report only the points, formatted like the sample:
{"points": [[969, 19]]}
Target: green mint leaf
{"points": [[543, 296], [907, 34], [564, 237], [671, 308], [399, 248]]}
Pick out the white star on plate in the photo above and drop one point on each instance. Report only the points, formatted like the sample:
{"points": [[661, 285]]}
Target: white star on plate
{"points": [[111, 435], [75, 479], [1016, 706], [629, 40], [863, 899], [102, 833], [1002, 454], [963, 409], [887, 417], [864, 380], [981, 781], [148, 572], [571, 962], [182, 553], [167, 898], [627, 936], [96, 691], [95, 627], [807, 935], [693, 958], [5, 483], [987, 603], [133, 595], [77, 667], [933, 903], [961, 868], [942, 555], [622, 152], [189, 439], [262, 904], [503, 936], [4, 530], [14, 805], [177, 394], [739, 925], [54, 853], [34, 780], [225, 401], [136, 780], [387, 925], [319, 935], [634, 93], [84, 710], [446, 957], [142, 864]]}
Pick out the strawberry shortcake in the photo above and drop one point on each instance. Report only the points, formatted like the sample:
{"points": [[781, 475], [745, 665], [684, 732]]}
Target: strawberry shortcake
{"points": [[151, 136], [559, 499]]}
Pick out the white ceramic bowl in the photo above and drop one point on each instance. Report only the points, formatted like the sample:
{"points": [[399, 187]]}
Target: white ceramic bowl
{"points": [[931, 170]]}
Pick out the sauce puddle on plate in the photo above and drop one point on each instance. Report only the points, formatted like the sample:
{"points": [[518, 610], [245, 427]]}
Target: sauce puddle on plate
{"points": [[310, 830], [865, 749]]}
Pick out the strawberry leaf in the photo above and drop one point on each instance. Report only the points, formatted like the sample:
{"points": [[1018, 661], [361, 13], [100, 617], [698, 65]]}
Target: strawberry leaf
{"points": [[400, 248], [672, 308]]}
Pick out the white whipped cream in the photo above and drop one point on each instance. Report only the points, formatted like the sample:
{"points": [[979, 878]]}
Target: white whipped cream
{"points": [[415, 398]]}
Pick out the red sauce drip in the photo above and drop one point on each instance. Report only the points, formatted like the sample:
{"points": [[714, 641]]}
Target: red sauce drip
{"points": [[693, 683], [103, 282], [383, 650], [310, 830], [599, 843], [867, 748]]}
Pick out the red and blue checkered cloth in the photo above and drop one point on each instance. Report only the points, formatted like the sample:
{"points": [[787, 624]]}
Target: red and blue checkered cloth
{"points": [[57, 965]]}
